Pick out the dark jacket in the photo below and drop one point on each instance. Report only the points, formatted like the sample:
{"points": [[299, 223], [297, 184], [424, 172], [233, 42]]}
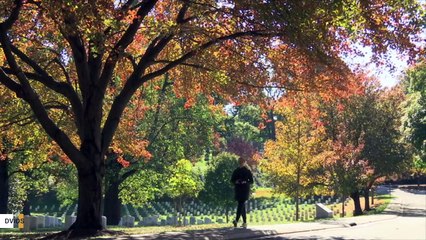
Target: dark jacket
{"points": [[242, 178]]}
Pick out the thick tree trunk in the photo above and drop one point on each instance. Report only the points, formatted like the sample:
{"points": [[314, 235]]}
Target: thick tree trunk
{"points": [[271, 126], [297, 207], [357, 203], [89, 217], [367, 199], [112, 203], [4, 186]]}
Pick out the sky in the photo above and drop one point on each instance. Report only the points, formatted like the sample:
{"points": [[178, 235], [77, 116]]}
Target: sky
{"points": [[387, 77]]}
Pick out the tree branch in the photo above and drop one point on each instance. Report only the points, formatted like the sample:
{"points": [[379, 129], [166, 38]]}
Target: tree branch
{"points": [[135, 80], [9, 83], [186, 64], [127, 38], [8, 23], [61, 88], [194, 52], [129, 89], [181, 15], [33, 99], [17, 120]]}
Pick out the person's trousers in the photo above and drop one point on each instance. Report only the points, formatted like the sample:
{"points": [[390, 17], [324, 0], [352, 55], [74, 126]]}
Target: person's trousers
{"points": [[241, 211]]}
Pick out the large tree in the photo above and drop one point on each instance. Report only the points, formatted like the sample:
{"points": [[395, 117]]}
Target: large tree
{"points": [[172, 129], [218, 189], [414, 120], [23, 148], [365, 124], [91, 57], [290, 161]]}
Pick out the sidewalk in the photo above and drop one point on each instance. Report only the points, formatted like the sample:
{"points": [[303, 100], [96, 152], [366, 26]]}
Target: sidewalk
{"points": [[394, 209]]}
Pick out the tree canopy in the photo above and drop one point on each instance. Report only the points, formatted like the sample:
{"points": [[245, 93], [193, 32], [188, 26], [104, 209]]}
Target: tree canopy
{"points": [[91, 58]]}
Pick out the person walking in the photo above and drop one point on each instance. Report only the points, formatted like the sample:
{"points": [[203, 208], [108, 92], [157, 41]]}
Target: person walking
{"points": [[242, 178]]}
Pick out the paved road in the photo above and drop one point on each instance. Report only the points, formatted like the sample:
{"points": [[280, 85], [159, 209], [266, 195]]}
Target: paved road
{"points": [[411, 224]]}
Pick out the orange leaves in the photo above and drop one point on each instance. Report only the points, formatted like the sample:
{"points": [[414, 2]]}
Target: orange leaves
{"points": [[123, 162], [130, 16], [137, 149], [189, 103]]}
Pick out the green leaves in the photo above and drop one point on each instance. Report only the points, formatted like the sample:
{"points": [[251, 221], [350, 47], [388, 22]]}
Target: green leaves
{"points": [[218, 189], [141, 187], [182, 181], [414, 121]]}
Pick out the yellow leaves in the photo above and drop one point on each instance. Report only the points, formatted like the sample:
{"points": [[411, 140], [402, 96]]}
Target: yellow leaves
{"points": [[220, 77], [26, 166], [299, 139]]}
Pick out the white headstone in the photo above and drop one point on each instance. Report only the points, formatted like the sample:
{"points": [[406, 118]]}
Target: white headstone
{"points": [[40, 222], [323, 211], [27, 223], [104, 222], [192, 220], [69, 220], [128, 221], [207, 220], [48, 221], [33, 223]]}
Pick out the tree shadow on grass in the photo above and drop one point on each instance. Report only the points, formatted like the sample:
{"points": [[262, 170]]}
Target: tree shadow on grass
{"points": [[217, 233]]}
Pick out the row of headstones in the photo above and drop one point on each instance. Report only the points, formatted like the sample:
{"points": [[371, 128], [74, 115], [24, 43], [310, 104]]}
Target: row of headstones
{"points": [[32, 223], [69, 220], [189, 210], [305, 214], [61, 211], [280, 211], [164, 208], [128, 221]]}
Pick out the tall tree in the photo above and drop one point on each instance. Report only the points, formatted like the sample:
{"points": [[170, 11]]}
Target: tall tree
{"points": [[414, 120], [182, 183], [218, 189], [77, 50], [386, 153], [23, 148], [172, 128], [367, 122], [290, 162]]}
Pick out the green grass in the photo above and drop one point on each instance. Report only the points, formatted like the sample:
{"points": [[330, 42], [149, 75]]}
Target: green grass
{"points": [[274, 207], [163, 229], [14, 233], [379, 209]]}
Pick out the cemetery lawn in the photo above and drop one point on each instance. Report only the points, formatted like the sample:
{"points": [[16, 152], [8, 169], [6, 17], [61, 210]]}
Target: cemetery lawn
{"points": [[380, 203]]}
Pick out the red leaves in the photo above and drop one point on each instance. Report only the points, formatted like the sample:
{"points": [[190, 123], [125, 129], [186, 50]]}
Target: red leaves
{"points": [[123, 162], [189, 103]]}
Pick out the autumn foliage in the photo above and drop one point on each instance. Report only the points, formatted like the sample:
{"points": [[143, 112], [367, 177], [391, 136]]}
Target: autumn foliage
{"points": [[92, 58]]}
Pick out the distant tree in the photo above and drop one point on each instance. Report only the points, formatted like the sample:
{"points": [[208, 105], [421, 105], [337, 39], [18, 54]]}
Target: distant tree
{"points": [[367, 122], [22, 153], [414, 120], [344, 169], [182, 183], [218, 189], [92, 59], [243, 133], [170, 129], [290, 162]]}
